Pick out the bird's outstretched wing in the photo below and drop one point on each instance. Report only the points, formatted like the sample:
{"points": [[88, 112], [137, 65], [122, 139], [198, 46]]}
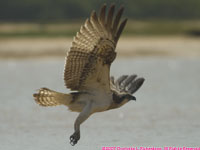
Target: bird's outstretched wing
{"points": [[126, 84], [93, 50]]}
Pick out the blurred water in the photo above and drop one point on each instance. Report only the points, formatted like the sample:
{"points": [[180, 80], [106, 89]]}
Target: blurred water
{"points": [[166, 112]]}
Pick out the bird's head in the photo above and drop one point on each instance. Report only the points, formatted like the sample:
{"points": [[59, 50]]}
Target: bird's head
{"points": [[124, 88], [121, 99]]}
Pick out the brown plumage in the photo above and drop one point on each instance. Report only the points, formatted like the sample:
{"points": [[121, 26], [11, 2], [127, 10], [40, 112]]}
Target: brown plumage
{"points": [[93, 49], [87, 71], [47, 97]]}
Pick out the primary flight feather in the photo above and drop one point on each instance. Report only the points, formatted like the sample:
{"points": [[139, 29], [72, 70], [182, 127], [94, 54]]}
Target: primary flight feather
{"points": [[87, 71]]}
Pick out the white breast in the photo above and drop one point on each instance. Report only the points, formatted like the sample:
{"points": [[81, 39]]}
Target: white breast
{"points": [[101, 101]]}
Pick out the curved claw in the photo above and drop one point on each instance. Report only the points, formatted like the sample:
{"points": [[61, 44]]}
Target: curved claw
{"points": [[74, 138], [72, 141]]}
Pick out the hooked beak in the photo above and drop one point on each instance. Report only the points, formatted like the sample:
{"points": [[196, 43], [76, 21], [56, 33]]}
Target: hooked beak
{"points": [[132, 98]]}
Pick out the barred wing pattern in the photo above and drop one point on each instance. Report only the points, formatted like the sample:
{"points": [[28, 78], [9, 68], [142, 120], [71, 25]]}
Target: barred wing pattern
{"points": [[93, 50]]}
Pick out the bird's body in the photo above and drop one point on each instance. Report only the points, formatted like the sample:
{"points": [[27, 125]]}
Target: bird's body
{"points": [[87, 71], [99, 101]]}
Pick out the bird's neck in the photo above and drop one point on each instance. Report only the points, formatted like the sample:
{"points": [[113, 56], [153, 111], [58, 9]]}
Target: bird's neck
{"points": [[117, 100]]}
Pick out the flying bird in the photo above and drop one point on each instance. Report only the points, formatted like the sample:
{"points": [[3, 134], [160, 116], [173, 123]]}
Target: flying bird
{"points": [[87, 71]]}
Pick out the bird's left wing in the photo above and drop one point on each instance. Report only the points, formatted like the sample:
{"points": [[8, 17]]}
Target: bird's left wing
{"points": [[93, 50], [126, 84]]}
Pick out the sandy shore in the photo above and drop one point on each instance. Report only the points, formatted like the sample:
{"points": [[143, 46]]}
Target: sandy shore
{"points": [[133, 46]]}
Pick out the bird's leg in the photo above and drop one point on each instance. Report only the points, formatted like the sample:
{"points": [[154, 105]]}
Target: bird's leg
{"points": [[80, 119]]}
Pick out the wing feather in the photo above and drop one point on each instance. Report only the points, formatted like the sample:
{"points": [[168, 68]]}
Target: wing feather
{"points": [[110, 16], [102, 14], [121, 28], [117, 19], [93, 50]]}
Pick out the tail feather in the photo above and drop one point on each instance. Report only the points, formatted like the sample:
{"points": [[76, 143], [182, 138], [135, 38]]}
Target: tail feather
{"points": [[47, 97]]}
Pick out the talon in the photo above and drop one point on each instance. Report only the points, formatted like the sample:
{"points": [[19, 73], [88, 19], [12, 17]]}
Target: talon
{"points": [[74, 139], [72, 143]]}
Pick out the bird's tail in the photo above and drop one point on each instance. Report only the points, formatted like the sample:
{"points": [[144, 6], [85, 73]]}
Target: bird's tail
{"points": [[47, 97]]}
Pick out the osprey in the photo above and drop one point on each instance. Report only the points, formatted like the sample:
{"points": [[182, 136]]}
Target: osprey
{"points": [[87, 71]]}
